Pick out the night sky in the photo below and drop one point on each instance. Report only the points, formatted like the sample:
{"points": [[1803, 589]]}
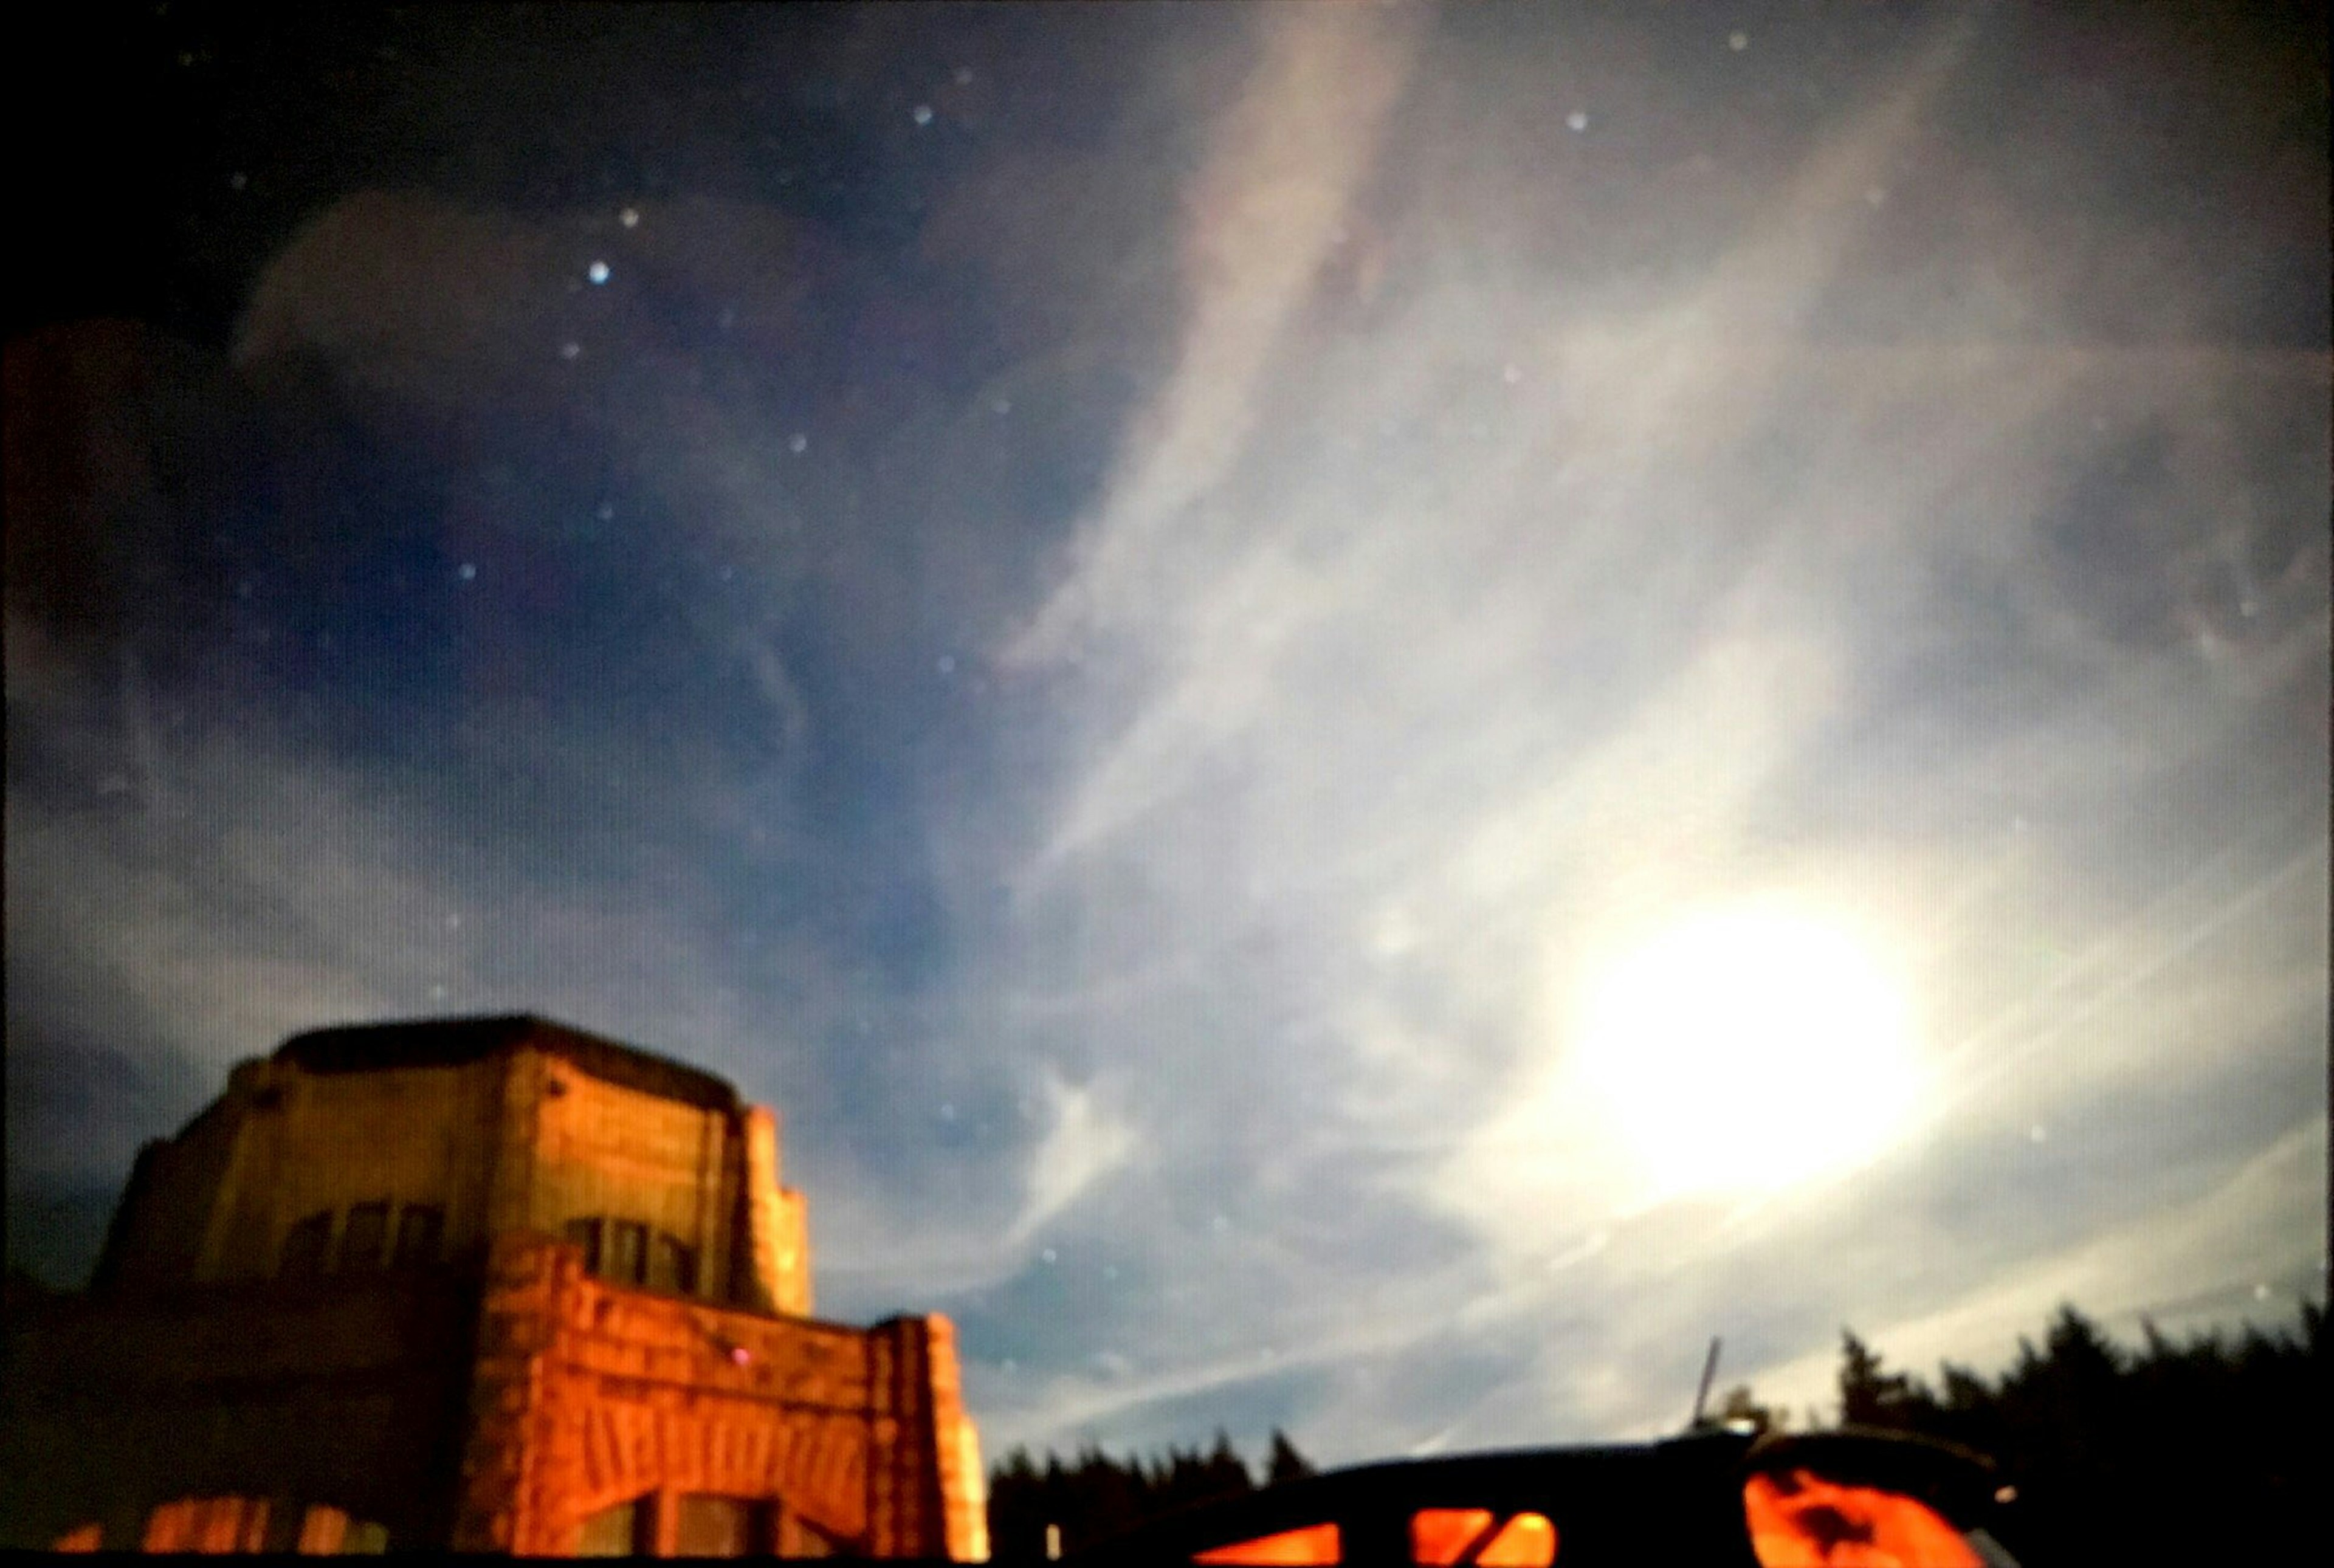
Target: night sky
{"points": [[1136, 615]]}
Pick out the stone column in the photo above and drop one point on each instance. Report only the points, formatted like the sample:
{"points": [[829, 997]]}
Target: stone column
{"points": [[956, 1444], [927, 1497], [510, 1195], [500, 1508], [778, 1242]]}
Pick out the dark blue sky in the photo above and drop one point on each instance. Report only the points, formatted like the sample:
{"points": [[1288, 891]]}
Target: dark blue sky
{"points": [[1367, 714]]}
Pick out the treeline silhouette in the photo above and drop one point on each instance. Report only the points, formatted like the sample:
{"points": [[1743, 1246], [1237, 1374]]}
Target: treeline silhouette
{"points": [[2212, 1449], [1096, 1496]]}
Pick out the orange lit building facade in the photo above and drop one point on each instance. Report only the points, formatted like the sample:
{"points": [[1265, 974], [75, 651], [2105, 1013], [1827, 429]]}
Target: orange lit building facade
{"points": [[490, 1284]]}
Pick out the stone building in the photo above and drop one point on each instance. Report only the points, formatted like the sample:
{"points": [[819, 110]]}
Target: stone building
{"points": [[493, 1284]]}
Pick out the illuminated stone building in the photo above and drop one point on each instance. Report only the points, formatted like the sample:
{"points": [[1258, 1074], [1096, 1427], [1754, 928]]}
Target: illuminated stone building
{"points": [[492, 1285]]}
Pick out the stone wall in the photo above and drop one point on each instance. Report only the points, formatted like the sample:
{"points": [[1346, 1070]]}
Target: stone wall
{"points": [[599, 1149], [588, 1395], [158, 1230], [215, 1202], [308, 1144]]}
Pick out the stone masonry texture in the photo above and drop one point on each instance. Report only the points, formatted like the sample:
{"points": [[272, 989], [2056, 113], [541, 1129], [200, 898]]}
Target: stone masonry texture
{"points": [[492, 1285]]}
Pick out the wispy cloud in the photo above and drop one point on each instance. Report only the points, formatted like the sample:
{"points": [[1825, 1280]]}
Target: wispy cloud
{"points": [[1467, 646], [1086, 1144]]}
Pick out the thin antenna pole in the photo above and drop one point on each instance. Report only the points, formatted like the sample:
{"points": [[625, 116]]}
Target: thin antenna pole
{"points": [[1701, 1394]]}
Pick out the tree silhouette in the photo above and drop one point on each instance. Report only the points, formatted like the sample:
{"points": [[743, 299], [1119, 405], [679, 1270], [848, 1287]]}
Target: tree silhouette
{"points": [[1869, 1397], [2180, 1452], [1097, 1496], [2210, 1449], [1285, 1464], [1739, 1406]]}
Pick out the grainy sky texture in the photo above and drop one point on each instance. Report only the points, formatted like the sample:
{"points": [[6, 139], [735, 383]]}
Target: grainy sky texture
{"points": [[1122, 610]]}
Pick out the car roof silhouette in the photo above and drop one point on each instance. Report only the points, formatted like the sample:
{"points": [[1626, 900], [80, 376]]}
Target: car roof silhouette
{"points": [[1678, 1499]]}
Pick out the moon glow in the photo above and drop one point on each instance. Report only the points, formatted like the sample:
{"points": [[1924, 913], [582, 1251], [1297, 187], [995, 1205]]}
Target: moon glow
{"points": [[1746, 1050]]}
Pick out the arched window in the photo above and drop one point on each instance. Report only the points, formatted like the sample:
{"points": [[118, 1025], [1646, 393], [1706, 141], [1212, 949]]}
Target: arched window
{"points": [[208, 1525], [330, 1531], [249, 1524]]}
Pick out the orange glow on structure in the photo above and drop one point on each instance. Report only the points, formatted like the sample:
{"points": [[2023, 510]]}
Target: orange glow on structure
{"points": [[88, 1538], [1526, 1541], [1316, 1544], [322, 1532], [1440, 1536], [208, 1525], [1807, 1522]]}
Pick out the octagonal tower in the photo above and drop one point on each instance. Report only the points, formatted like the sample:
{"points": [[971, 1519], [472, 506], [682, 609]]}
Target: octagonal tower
{"points": [[491, 1284]]}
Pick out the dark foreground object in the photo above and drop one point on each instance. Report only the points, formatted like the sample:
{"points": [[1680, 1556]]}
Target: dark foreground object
{"points": [[1840, 1497]]}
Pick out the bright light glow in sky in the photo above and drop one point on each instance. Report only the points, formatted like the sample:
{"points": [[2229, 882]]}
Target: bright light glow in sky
{"points": [[1746, 1049]]}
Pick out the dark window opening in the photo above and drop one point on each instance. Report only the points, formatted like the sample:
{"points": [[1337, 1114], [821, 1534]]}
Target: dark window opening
{"points": [[319, 1529], [585, 1234], [673, 1266], [361, 1242], [305, 1244], [419, 1228], [628, 1250]]}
